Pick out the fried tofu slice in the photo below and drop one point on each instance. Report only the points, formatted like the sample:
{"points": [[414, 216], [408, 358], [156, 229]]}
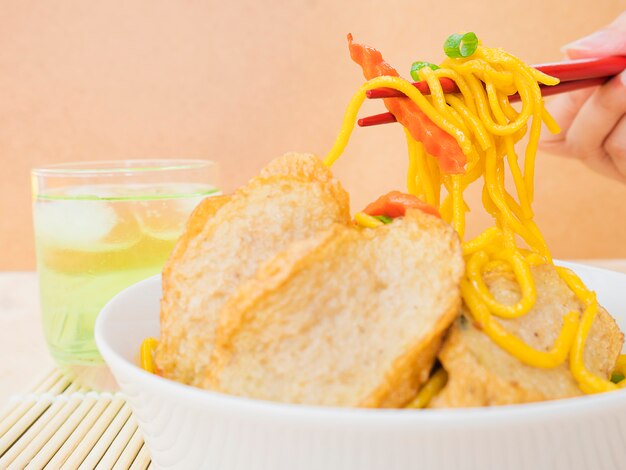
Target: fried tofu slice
{"points": [[353, 317], [226, 240], [482, 374]]}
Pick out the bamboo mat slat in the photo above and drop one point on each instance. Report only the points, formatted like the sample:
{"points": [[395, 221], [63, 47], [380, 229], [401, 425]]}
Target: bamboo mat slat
{"points": [[106, 438], [58, 425], [42, 384], [80, 435], [130, 452], [23, 412], [142, 461], [119, 442]]}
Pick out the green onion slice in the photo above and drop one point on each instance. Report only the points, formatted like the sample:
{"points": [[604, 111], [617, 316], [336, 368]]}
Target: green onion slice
{"points": [[417, 66], [384, 219], [460, 45], [617, 377]]}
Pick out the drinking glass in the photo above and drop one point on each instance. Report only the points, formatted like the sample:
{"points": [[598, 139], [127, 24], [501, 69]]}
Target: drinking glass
{"points": [[100, 227]]}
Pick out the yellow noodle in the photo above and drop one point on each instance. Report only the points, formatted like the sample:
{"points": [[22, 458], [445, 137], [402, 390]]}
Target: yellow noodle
{"points": [[542, 77], [435, 176], [535, 259], [510, 112], [146, 353], [424, 174], [512, 344], [549, 121], [488, 237], [487, 126], [531, 152], [430, 389], [494, 103], [466, 93], [458, 205], [473, 122], [411, 92], [586, 379], [438, 98], [486, 72], [366, 220], [475, 266], [482, 105], [518, 178]]}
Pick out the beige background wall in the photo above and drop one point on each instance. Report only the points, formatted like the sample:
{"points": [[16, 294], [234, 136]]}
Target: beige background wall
{"points": [[242, 82]]}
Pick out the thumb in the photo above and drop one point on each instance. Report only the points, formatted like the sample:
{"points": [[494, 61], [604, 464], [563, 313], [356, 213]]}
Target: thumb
{"points": [[610, 40]]}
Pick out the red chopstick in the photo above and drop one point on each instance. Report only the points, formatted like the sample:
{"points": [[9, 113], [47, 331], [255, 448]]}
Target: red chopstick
{"points": [[386, 118], [573, 75], [565, 71]]}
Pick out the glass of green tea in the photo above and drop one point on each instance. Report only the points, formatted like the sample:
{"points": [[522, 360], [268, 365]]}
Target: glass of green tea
{"points": [[100, 227]]}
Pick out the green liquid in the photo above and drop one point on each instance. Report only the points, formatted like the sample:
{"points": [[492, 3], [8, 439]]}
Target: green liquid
{"points": [[89, 249]]}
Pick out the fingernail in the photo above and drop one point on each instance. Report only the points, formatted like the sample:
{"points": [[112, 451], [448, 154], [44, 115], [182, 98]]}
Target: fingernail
{"points": [[622, 77], [594, 41]]}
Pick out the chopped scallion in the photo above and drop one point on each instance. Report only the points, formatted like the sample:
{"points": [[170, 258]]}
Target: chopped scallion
{"points": [[460, 45], [417, 66], [617, 377], [384, 219]]}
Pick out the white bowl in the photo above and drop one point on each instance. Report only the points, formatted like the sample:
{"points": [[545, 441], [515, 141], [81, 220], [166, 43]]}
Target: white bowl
{"points": [[189, 428]]}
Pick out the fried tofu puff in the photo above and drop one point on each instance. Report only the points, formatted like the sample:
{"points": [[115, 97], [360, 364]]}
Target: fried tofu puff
{"points": [[353, 317], [482, 374], [226, 240]]}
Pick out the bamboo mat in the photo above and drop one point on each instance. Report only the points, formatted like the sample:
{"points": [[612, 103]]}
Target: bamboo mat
{"points": [[58, 425]]}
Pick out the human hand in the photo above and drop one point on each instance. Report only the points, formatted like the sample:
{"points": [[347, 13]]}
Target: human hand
{"points": [[593, 120]]}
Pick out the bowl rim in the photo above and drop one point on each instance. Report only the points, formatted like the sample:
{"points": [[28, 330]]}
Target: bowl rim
{"points": [[460, 417]]}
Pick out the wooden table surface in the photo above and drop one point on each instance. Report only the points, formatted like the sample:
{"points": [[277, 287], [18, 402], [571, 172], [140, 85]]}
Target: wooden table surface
{"points": [[23, 353]]}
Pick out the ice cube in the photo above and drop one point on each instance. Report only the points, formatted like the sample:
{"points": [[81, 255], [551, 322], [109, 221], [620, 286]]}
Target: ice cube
{"points": [[73, 224], [164, 219]]}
